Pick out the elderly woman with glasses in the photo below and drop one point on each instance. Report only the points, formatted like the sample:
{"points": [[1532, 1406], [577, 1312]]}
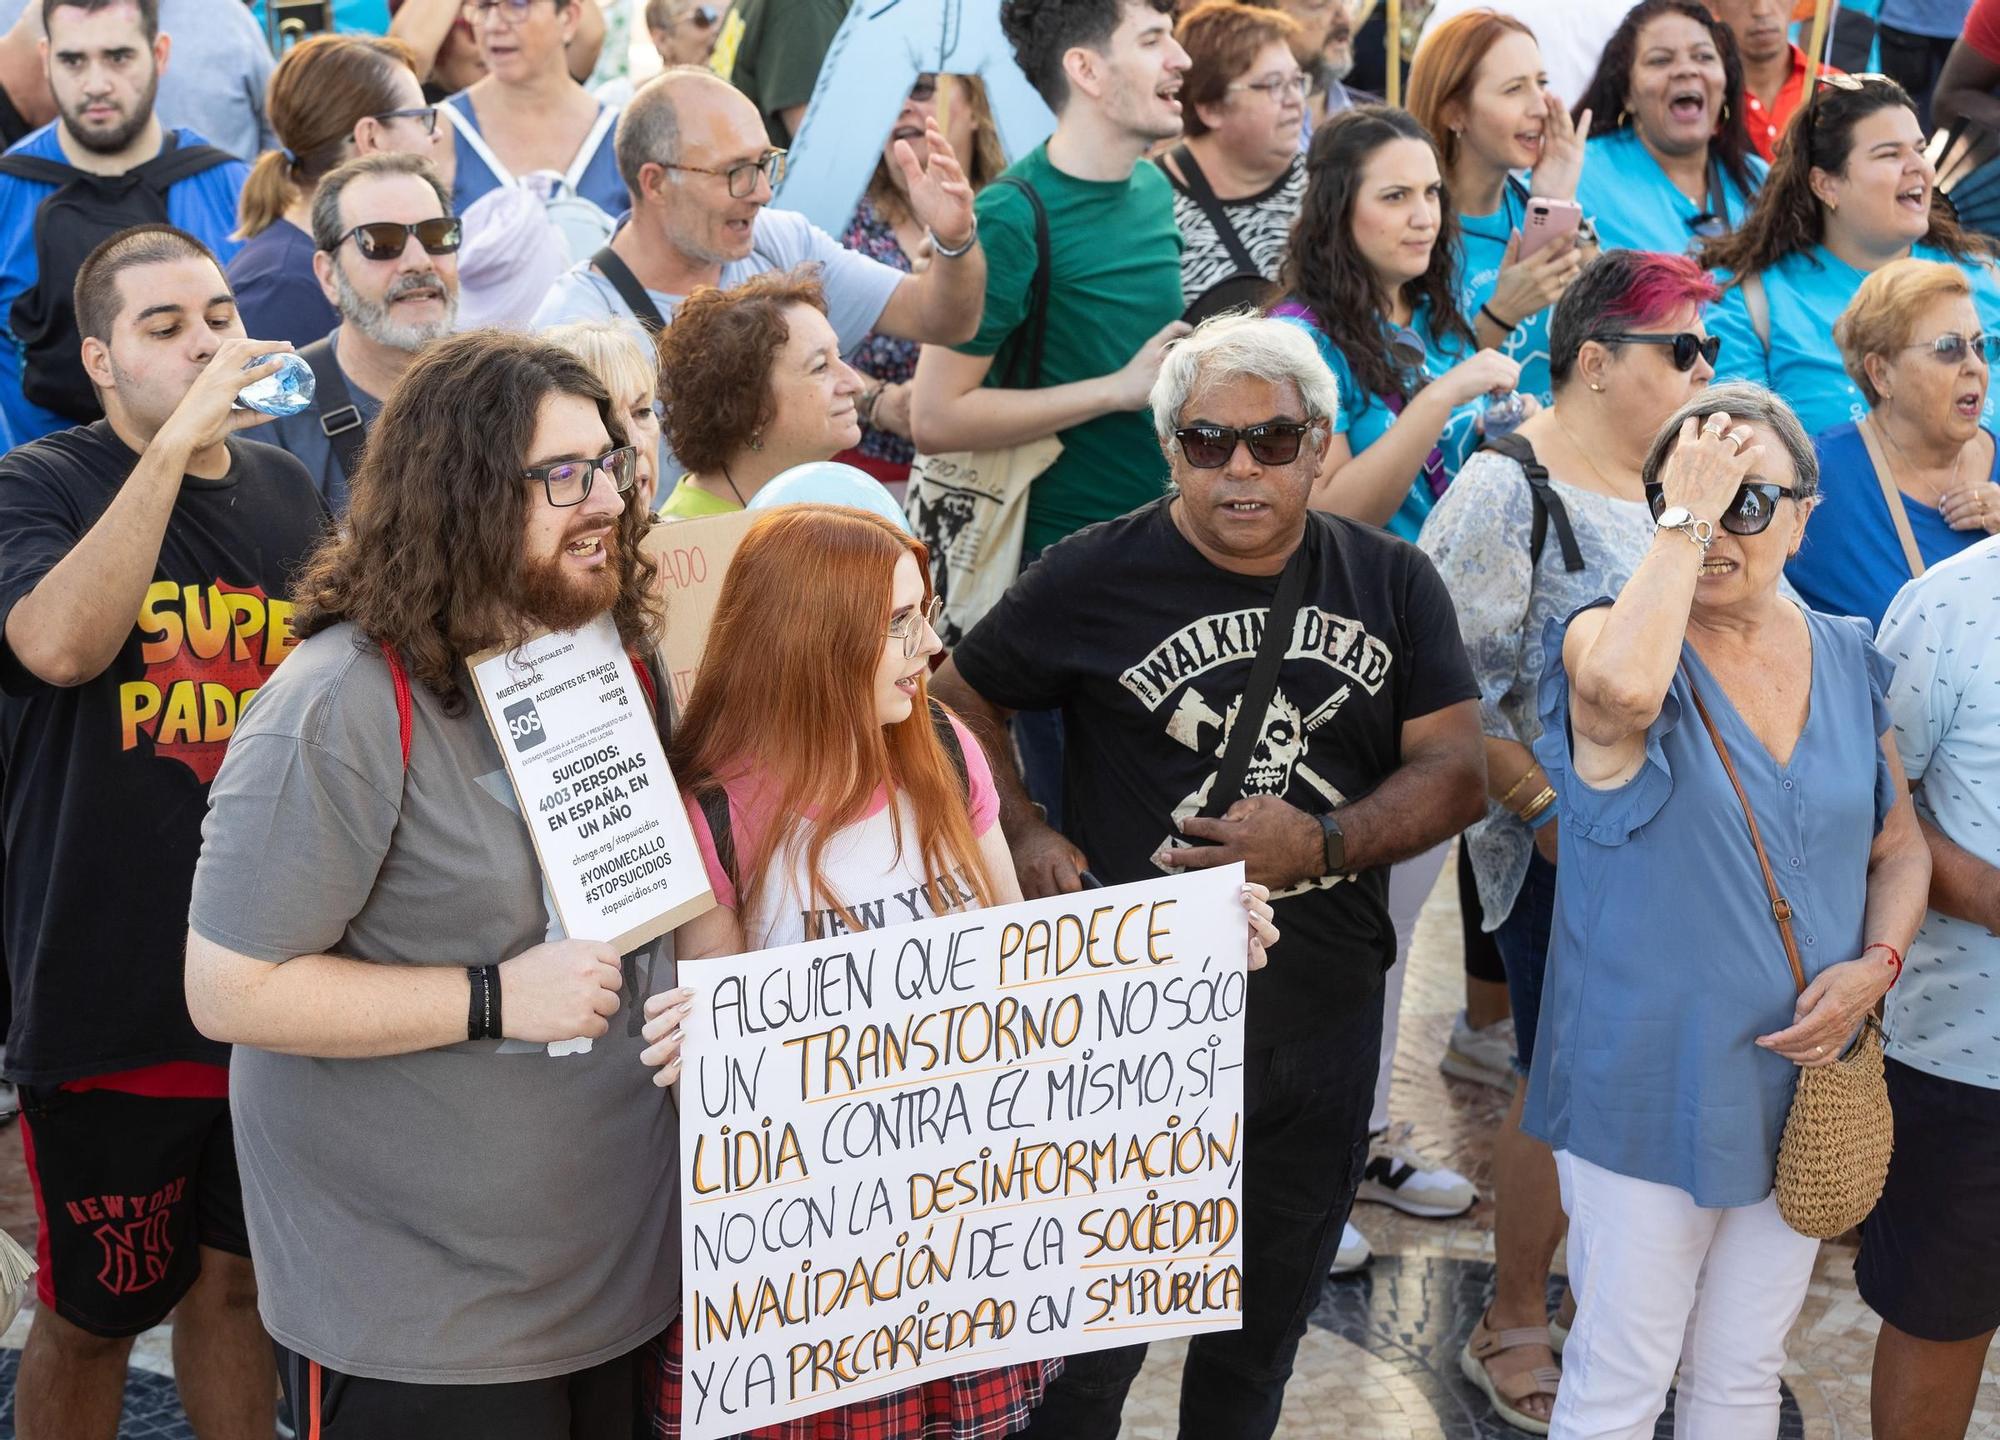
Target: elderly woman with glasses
{"points": [[1912, 482], [1708, 741], [1850, 191]]}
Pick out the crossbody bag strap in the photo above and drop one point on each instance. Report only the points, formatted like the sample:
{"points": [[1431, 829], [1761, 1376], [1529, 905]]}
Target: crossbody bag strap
{"points": [[1891, 496], [1203, 194], [612, 267], [1263, 682], [339, 417], [1781, 910], [1035, 327]]}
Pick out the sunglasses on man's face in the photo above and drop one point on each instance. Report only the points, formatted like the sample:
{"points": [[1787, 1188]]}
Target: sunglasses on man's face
{"points": [[1686, 345], [1275, 442], [386, 239], [1749, 513], [1952, 348]]}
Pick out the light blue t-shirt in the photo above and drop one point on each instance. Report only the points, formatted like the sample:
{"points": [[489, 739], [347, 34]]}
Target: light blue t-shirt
{"points": [[1851, 562], [1633, 204], [204, 205], [1483, 241], [1664, 963], [1364, 418], [1944, 1014], [1938, 19], [1805, 293]]}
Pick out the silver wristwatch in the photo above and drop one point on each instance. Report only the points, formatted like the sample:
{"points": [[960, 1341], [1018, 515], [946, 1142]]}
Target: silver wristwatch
{"points": [[1679, 517]]}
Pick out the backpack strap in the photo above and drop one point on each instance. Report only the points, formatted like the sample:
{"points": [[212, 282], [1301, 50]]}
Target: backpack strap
{"points": [[1548, 505], [176, 162], [612, 267], [1757, 304], [1036, 325], [339, 418], [38, 170]]}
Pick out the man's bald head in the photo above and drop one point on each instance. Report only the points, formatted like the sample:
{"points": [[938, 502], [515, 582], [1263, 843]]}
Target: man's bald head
{"points": [[652, 128]]}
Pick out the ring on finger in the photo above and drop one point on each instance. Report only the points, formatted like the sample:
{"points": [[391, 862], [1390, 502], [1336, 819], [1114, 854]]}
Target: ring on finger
{"points": [[1715, 424], [1740, 435]]}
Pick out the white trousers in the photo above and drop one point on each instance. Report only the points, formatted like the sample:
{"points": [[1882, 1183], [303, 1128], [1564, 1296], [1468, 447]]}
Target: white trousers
{"points": [[1410, 884], [1661, 1281]]}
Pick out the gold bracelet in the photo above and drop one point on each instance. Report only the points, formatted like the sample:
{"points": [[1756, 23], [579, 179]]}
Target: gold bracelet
{"points": [[1526, 775], [1533, 809]]}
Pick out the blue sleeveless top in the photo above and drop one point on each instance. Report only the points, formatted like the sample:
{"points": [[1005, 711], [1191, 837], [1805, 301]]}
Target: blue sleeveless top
{"points": [[601, 183], [1665, 964]]}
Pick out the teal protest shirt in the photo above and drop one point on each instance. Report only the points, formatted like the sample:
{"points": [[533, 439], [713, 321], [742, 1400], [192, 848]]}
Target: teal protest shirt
{"points": [[1633, 204], [1482, 241]]}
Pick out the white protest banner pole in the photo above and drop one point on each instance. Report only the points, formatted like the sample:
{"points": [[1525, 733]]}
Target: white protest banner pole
{"points": [[972, 1140], [876, 55], [1822, 13]]}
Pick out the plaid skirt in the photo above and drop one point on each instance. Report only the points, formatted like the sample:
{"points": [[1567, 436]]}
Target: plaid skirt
{"points": [[981, 1405]]}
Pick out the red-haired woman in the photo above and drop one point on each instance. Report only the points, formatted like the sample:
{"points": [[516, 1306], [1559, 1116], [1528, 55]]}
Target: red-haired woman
{"points": [[848, 793]]}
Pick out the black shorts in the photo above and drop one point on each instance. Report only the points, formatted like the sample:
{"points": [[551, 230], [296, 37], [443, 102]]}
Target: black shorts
{"points": [[1930, 1254], [132, 1174], [605, 1402]]}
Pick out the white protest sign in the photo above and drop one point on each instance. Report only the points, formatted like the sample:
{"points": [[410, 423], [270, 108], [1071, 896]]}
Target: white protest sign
{"points": [[591, 776], [876, 56], [978, 1140]]}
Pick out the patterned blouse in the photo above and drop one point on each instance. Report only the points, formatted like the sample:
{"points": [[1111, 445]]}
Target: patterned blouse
{"points": [[1478, 538], [881, 357]]}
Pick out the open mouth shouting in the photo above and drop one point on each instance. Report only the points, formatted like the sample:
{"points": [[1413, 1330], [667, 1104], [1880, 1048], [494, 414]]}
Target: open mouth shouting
{"points": [[1968, 403], [1915, 197], [1688, 104], [1170, 91], [590, 549], [1529, 141]]}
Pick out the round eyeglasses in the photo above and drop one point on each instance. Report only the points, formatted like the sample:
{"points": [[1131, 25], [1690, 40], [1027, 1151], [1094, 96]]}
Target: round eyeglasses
{"points": [[910, 627]]}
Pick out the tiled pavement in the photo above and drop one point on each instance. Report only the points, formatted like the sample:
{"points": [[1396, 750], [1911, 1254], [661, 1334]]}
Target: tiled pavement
{"points": [[1380, 1361]]}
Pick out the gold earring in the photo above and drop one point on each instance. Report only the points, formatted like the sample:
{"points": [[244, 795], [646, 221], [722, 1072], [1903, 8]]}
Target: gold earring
{"points": [[1597, 387]]}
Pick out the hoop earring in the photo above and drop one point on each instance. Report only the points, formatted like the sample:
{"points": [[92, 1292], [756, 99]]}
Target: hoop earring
{"points": [[757, 440]]}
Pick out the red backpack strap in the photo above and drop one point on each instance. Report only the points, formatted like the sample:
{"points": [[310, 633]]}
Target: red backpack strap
{"points": [[400, 678], [646, 682]]}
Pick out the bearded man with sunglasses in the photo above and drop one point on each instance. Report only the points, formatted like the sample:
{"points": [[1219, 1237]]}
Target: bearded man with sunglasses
{"points": [[387, 259], [459, 1235], [1145, 631]]}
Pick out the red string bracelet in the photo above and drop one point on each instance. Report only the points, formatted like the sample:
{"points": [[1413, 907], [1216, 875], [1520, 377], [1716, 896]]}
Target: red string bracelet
{"points": [[1895, 956]]}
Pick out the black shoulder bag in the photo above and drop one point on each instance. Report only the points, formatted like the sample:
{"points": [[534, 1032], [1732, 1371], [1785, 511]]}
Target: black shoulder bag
{"points": [[1547, 504], [614, 269], [1248, 285]]}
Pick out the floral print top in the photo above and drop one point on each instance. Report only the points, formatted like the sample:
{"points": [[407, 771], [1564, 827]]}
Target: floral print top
{"points": [[882, 357]]}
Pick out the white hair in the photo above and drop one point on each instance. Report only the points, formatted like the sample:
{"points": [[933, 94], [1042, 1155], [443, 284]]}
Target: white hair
{"points": [[1242, 342]]}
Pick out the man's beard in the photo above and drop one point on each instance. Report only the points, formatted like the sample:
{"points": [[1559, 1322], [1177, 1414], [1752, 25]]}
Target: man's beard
{"points": [[557, 598], [371, 317], [110, 142]]}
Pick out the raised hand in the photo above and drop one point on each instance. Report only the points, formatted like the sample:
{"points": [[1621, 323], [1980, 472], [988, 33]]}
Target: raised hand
{"points": [[940, 195]]}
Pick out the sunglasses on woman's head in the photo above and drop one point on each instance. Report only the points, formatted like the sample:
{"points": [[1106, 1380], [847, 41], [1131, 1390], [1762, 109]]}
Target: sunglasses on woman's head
{"points": [[925, 90], [1952, 347], [1748, 514], [1687, 345], [1275, 442]]}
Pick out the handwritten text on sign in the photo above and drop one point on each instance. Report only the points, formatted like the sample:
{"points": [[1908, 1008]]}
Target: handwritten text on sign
{"points": [[977, 1140]]}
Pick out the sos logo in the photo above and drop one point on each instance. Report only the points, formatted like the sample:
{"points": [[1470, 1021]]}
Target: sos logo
{"points": [[524, 723]]}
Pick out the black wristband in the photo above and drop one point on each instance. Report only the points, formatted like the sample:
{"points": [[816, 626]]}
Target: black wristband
{"points": [[1505, 328], [482, 1018]]}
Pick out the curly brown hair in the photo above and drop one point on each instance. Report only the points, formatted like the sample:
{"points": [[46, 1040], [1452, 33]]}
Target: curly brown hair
{"points": [[716, 358], [430, 562]]}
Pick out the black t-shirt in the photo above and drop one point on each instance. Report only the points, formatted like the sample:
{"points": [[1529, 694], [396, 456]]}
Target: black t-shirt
{"points": [[103, 786], [1146, 646]]}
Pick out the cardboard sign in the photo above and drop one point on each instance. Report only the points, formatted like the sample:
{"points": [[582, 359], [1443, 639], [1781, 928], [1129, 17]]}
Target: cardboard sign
{"points": [[693, 556], [591, 777], [981, 1139]]}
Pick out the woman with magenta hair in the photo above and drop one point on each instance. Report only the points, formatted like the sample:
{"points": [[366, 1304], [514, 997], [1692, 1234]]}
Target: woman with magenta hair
{"points": [[1626, 349]]}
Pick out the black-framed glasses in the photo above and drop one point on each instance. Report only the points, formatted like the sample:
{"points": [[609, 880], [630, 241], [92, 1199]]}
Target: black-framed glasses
{"points": [[1273, 87], [568, 482], [742, 178], [1687, 345], [1952, 347], [1749, 513], [427, 115], [1275, 442], [387, 239], [910, 628]]}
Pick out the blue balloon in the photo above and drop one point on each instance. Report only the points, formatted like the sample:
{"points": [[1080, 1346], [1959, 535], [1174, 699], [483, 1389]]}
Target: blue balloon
{"points": [[827, 482]]}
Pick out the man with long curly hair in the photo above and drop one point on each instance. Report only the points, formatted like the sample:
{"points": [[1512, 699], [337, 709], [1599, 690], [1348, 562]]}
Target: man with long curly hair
{"points": [[456, 1233]]}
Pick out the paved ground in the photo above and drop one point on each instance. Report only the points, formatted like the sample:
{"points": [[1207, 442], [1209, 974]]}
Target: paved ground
{"points": [[1380, 1362]]}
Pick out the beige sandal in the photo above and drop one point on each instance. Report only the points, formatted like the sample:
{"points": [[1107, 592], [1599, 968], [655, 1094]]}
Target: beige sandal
{"points": [[1508, 1392]]}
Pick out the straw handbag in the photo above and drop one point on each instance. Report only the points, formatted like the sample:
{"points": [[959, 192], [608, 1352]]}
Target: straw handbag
{"points": [[1834, 1157]]}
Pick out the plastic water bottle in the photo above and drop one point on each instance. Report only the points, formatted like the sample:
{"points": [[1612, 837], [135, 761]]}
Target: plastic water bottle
{"points": [[286, 391], [1505, 410]]}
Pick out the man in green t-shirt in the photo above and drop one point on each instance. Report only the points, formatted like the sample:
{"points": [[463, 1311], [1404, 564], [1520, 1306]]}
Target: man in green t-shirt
{"points": [[1111, 71], [772, 50]]}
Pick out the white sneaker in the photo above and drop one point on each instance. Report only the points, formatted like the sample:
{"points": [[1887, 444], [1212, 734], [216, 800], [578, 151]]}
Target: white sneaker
{"points": [[1485, 1057], [1354, 1251], [1398, 1176]]}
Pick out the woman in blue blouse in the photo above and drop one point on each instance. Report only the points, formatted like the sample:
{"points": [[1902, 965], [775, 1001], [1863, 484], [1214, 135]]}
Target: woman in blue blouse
{"points": [[1478, 86], [1671, 1025], [1912, 340], [1671, 164], [1368, 274], [1850, 191]]}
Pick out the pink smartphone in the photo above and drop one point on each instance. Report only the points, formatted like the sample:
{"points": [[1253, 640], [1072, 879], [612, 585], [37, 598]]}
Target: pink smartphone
{"points": [[1548, 221]]}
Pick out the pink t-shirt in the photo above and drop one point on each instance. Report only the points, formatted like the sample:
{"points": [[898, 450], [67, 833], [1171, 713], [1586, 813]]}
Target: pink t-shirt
{"points": [[860, 864]]}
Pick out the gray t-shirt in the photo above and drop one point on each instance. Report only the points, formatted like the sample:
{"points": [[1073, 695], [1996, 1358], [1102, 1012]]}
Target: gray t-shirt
{"points": [[302, 436], [476, 1214]]}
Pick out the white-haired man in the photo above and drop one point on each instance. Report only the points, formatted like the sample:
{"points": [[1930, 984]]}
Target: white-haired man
{"points": [[1367, 751]]}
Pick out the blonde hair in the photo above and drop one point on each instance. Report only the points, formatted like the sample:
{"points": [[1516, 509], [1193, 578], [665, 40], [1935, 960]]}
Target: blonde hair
{"points": [[1884, 310], [615, 351]]}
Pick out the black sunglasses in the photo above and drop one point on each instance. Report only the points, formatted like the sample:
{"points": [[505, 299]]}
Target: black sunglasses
{"points": [[1275, 442], [568, 482], [925, 88], [387, 239], [1686, 345], [426, 114], [1748, 514]]}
